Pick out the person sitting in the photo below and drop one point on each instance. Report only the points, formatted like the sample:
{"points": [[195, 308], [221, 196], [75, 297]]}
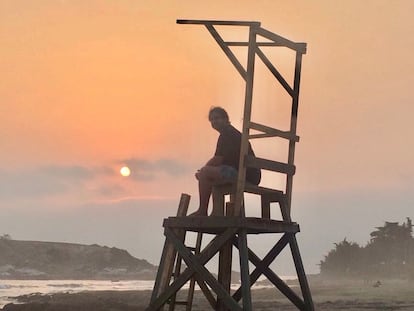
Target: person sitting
{"points": [[223, 167]]}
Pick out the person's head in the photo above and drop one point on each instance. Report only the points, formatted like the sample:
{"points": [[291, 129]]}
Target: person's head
{"points": [[218, 118]]}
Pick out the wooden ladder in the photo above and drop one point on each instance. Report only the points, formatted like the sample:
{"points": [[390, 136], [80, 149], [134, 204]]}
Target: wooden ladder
{"points": [[171, 263]]}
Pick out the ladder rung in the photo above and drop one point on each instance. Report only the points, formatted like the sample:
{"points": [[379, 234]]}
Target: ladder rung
{"points": [[191, 248], [270, 165], [271, 132]]}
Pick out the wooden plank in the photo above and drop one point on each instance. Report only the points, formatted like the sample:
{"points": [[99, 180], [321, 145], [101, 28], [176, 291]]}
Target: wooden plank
{"points": [[298, 47], [270, 165], [293, 125], [183, 205], [190, 294], [244, 270], [208, 252], [285, 210], [162, 270], [182, 211], [273, 132], [301, 273], [242, 43], [265, 204], [206, 292], [248, 99], [224, 273], [168, 254], [262, 267], [218, 194], [219, 224], [264, 135], [177, 271], [286, 290], [194, 264], [274, 71], [217, 22], [227, 51], [273, 194]]}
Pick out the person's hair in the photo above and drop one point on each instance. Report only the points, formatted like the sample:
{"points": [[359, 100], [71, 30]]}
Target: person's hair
{"points": [[220, 111]]}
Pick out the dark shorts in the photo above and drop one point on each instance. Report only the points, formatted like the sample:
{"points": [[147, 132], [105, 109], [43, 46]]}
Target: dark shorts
{"points": [[228, 173]]}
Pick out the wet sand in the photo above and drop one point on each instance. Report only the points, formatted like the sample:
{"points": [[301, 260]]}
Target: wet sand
{"points": [[327, 295]]}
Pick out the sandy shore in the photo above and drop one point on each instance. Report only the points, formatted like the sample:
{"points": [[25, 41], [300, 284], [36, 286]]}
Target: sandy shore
{"points": [[327, 295]]}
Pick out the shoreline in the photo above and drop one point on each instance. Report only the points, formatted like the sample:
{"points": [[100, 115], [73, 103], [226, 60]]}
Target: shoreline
{"points": [[327, 295]]}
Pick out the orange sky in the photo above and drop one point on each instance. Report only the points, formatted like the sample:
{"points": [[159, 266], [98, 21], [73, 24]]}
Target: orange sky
{"points": [[87, 86]]}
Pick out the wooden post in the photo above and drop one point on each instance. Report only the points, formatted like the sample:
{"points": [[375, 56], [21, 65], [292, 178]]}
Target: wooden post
{"points": [[190, 295], [293, 125], [244, 270], [241, 178], [225, 261], [169, 253], [307, 297]]}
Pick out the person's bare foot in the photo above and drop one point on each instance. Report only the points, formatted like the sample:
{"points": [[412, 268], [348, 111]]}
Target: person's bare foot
{"points": [[198, 213]]}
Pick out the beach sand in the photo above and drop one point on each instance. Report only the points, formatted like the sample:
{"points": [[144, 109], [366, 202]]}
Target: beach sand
{"points": [[327, 295]]}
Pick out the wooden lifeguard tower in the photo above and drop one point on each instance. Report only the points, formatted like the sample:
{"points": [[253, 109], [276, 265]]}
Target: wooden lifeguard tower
{"points": [[232, 227]]}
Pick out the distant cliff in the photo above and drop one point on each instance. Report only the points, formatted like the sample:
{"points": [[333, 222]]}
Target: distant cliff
{"points": [[50, 260]]}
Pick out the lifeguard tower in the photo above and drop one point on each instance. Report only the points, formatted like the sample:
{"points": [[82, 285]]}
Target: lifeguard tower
{"points": [[231, 227]]}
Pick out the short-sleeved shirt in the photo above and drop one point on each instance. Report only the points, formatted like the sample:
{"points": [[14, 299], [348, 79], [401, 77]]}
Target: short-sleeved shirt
{"points": [[228, 147]]}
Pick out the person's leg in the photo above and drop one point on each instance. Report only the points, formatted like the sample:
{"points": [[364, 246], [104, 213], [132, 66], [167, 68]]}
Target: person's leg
{"points": [[228, 175], [207, 176]]}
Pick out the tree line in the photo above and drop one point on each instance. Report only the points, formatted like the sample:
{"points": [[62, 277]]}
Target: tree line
{"points": [[388, 254]]}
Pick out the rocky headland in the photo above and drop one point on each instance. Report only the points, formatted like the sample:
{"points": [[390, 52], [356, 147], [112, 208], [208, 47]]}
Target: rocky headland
{"points": [[52, 260]]}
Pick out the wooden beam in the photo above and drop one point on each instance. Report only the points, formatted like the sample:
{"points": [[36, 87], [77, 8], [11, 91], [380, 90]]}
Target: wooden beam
{"points": [[227, 51], [168, 254], [217, 22], [267, 260], [244, 270], [194, 264], [206, 292], [270, 165], [265, 205], [262, 267], [271, 132], [299, 47], [224, 273], [208, 252], [216, 225], [303, 282], [241, 43], [293, 125], [274, 71], [190, 294], [248, 99]]}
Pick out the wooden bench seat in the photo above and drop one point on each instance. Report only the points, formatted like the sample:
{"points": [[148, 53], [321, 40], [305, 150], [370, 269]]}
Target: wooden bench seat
{"points": [[267, 196]]}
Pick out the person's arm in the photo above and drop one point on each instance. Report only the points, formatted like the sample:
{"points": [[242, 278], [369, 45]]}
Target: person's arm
{"points": [[215, 161]]}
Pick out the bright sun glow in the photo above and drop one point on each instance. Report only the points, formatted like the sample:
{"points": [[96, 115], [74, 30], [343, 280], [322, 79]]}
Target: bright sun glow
{"points": [[125, 171]]}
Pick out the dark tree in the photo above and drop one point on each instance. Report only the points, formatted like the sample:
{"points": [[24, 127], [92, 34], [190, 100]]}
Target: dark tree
{"points": [[343, 260], [389, 253]]}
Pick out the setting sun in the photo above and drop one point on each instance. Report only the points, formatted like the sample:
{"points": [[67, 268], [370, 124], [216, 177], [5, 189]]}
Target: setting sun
{"points": [[125, 171]]}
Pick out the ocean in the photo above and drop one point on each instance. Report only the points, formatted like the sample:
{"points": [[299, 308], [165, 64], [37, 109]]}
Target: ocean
{"points": [[13, 288]]}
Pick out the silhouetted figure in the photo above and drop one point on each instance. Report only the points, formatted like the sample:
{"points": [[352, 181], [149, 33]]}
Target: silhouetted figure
{"points": [[222, 167]]}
